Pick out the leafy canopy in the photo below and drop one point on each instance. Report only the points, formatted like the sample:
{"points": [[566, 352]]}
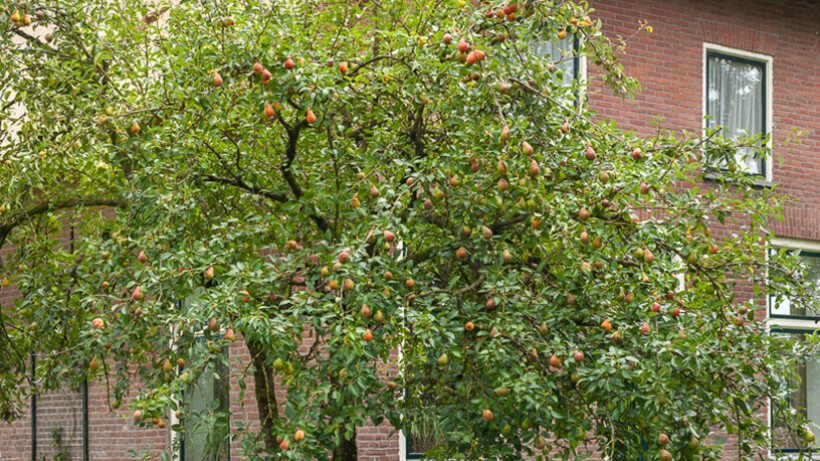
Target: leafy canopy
{"points": [[336, 181]]}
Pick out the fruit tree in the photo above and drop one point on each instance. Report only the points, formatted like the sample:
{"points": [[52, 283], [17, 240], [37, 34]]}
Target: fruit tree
{"points": [[332, 182]]}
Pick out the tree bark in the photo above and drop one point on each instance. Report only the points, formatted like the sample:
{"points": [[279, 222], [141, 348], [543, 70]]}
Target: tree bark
{"points": [[347, 451], [265, 385]]}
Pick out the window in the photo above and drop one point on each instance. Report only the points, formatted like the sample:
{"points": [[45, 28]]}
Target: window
{"points": [[793, 322], [737, 99], [805, 399], [207, 423], [564, 53]]}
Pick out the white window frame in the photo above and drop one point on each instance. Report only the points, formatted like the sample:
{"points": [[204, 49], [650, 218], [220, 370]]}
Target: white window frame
{"points": [[768, 64], [785, 323]]}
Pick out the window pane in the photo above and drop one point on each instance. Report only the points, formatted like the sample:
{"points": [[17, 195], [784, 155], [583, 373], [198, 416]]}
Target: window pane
{"points": [[811, 265], [562, 53], [806, 400], [735, 101], [207, 425]]}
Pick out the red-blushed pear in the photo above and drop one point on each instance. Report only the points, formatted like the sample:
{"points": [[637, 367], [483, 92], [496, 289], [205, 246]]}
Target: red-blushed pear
{"points": [[310, 117], [494, 332], [94, 363], [505, 133], [655, 307], [258, 68], [663, 439], [645, 328], [378, 316], [486, 232], [675, 312], [438, 194], [344, 257], [167, 366], [479, 55], [501, 167], [713, 249], [343, 67], [366, 313], [502, 391], [337, 266], [137, 294], [388, 276], [181, 362], [98, 323], [603, 177], [590, 153], [490, 303], [269, 112], [213, 325], [284, 445], [428, 204], [583, 214], [368, 336], [644, 188], [299, 435], [607, 325], [555, 361], [266, 76], [410, 284], [374, 191], [648, 257], [137, 416], [349, 285], [487, 415], [229, 335], [471, 59], [527, 148], [447, 39], [217, 80], [461, 253], [571, 299], [209, 273], [637, 154], [506, 256], [534, 169], [135, 128], [454, 181], [442, 360], [142, 258], [289, 64], [540, 443], [389, 236], [469, 326], [463, 46], [665, 455], [578, 356], [584, 237]]}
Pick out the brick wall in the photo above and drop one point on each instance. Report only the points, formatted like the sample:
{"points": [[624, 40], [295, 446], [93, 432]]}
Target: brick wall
{"points": [[669, 65]]}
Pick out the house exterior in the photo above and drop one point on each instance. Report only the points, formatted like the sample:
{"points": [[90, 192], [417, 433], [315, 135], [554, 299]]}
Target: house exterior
{"points": [[750, 65]]}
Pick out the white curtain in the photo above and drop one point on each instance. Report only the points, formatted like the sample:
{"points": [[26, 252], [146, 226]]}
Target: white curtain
{"points": [[562, 53], [735, 101]]}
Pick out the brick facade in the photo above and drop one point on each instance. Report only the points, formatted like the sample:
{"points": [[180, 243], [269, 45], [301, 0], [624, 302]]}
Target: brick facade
{"points": [[669, 65]]}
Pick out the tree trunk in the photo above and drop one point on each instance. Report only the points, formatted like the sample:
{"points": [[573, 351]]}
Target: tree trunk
{"points": [[265, 393], [347, 450]]}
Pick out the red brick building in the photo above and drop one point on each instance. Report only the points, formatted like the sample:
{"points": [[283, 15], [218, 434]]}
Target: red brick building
{"points": [[751, 65]]}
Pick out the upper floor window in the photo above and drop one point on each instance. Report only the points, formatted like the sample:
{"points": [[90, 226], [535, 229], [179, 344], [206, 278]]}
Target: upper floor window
{"points": [[737, 100], [783, 307]]}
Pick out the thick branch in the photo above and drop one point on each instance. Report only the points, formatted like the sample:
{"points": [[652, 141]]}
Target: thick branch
{"points": [[242, 185], [265, 385], [8, 224]]}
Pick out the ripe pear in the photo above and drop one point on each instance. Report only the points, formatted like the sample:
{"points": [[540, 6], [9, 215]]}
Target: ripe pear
{"points": [[663, 439], [94, 363], [269, 112], [378, 316], [583, 214], [505, 133], [217, 81], [310, 117], [501, 167], [137, 294], [665, 455], [645, 328], [213, 325], [461, 253], [502, 184], [278, 364], [527, 148], [590, 153], [229, 335], [487, 415], [486, 231], [506, 256], [442, 360], [368, 336], [209, 273], [366, 313]]}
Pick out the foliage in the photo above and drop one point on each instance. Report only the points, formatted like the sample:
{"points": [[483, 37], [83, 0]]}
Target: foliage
{"points": [[116, 130]]}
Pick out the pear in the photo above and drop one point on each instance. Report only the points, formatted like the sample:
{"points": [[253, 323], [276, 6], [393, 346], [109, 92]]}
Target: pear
{"points": [[209, 273], [213, 325], [442, 360], [217, 81]]}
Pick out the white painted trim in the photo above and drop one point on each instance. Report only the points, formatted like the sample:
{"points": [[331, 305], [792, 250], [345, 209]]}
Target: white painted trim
{"points": [[796, 244], [768, 62]]}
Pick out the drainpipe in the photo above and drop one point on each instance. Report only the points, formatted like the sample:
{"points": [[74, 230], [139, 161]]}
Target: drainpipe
{"points": [[84, 386], [33, 409]]}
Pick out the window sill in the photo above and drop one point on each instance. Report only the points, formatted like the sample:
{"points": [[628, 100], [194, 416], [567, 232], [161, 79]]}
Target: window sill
{"points": [[759, 181]]}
